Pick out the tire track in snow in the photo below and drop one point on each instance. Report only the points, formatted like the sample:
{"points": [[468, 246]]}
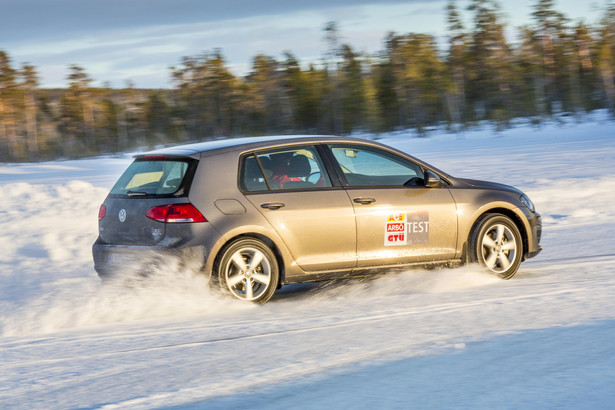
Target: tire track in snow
{"points": [[578, 259], [376, 317]]}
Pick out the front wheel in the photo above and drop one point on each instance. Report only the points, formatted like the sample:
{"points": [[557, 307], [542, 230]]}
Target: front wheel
{"points": [[249, 270], [496, 244]]}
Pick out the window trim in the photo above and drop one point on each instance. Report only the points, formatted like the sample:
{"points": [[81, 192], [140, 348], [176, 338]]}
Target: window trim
{"points": [[316, 147], [342, 177], [184, 188], [241, 171]]}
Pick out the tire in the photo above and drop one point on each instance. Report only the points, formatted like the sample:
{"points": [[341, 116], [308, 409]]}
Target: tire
{"points": [[496, 244], [248, 270]]}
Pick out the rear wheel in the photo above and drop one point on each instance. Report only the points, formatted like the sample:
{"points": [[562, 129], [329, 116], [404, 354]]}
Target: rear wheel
{"points": [[496, 244], [249, 270]]}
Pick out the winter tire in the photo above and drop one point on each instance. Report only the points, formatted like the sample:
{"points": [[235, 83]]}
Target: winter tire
{"points": [[249, 270], [496, 244]]}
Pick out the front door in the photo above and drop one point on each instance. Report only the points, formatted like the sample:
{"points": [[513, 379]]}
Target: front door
{"points": [[396, 223]]}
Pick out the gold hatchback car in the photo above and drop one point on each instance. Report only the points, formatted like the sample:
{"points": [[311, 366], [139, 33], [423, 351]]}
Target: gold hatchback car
{"points": [[264, 212]]}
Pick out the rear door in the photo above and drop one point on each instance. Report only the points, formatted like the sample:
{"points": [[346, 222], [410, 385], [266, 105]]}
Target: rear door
{"points": [[395, 223], [293, 191]]}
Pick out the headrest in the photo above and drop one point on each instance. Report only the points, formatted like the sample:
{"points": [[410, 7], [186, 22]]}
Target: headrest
{"points": [[299, 166]]}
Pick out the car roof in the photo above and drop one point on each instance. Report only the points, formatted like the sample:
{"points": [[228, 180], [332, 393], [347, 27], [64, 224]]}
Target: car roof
{"points": [[242, 144], [246, 143]]}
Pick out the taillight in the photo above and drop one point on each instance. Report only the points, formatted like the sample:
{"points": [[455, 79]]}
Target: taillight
{"points": [[102, 212], [175, 213]]}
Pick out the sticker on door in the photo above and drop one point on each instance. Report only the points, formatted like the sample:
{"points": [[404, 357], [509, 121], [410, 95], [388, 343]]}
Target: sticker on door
{"points": [[407, 229]]}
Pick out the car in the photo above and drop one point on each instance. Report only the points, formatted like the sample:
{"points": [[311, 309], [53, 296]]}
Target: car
{"points": [[263, 212]]}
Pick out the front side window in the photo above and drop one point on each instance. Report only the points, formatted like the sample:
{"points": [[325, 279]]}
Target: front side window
{"points": [[151, 177], [282, 169], [365, 166]]}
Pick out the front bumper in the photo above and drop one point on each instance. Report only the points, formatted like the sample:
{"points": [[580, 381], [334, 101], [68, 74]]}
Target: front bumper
{"points": [[534, 235]]}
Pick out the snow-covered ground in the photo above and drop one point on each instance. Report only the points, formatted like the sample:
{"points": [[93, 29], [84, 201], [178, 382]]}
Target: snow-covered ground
{"points": [[452, 338]]}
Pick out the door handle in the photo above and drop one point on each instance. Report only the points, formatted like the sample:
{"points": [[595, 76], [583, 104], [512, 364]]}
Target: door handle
{"points": [[364, 200], [272, 205]]}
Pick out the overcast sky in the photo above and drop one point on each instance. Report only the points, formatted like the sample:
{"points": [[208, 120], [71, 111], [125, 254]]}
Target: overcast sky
{"points": [[137, 40]]}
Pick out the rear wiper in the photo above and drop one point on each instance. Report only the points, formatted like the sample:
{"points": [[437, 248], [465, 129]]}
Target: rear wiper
{"points": [[135, 193]]}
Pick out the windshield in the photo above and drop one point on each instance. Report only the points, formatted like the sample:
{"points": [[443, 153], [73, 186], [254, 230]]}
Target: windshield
{"points": [[147, 177]]}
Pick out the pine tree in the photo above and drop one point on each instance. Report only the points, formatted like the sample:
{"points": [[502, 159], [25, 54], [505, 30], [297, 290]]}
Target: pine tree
{"points": [[304, 89], [207, 95], [387, 88], [456, 62], [83, 109], [77, 122], [8, 132], [582, 73], [108, 125], [550, 35], [491, 63], [529, 98], [30, 85], [271, 110], [417, 72], [352, 90], [158, 115], [332, 37], [606, 56]]}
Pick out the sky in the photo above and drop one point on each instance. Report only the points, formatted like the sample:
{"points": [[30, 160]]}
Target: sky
{"points": [[136, 41]]}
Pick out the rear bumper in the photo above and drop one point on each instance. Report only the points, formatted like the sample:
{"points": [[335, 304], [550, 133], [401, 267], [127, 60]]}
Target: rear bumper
{"points": [[184, 244], [125, 260], [110, 260]]}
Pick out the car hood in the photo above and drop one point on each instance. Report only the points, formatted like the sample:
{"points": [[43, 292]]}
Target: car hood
{"points": [[490, 185]]}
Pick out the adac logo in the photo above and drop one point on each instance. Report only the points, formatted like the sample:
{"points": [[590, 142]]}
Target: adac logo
{"points": [[122, 215]]}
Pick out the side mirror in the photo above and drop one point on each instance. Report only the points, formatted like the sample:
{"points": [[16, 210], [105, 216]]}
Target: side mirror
{"points": [[432, 180]]}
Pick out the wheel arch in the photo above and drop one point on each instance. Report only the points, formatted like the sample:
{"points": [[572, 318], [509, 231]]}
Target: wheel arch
{"points": [[510, 213], [215, 259]]}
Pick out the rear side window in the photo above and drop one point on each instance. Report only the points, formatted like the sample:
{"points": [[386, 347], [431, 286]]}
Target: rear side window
{"points": [[153, 178], [286, 168], [252, 175]]}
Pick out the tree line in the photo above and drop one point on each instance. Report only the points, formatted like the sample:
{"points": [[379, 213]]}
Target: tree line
{"points": [[554, 66]]}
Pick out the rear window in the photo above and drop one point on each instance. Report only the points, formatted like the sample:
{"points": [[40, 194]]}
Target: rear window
{"points": [[154, 178]]}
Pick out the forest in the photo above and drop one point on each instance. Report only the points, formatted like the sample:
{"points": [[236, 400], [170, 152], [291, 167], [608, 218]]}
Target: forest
{"points": [[554, 66]]}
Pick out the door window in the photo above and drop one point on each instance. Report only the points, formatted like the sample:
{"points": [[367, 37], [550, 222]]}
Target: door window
{"points": [[365, 166], [282, 169]]}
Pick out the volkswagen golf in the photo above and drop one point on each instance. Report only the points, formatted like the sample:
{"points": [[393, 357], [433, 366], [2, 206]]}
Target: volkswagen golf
{"points": [[269, 211]]}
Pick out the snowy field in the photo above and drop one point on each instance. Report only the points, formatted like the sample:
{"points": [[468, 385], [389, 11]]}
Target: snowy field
{"points": [[448, 338]]}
